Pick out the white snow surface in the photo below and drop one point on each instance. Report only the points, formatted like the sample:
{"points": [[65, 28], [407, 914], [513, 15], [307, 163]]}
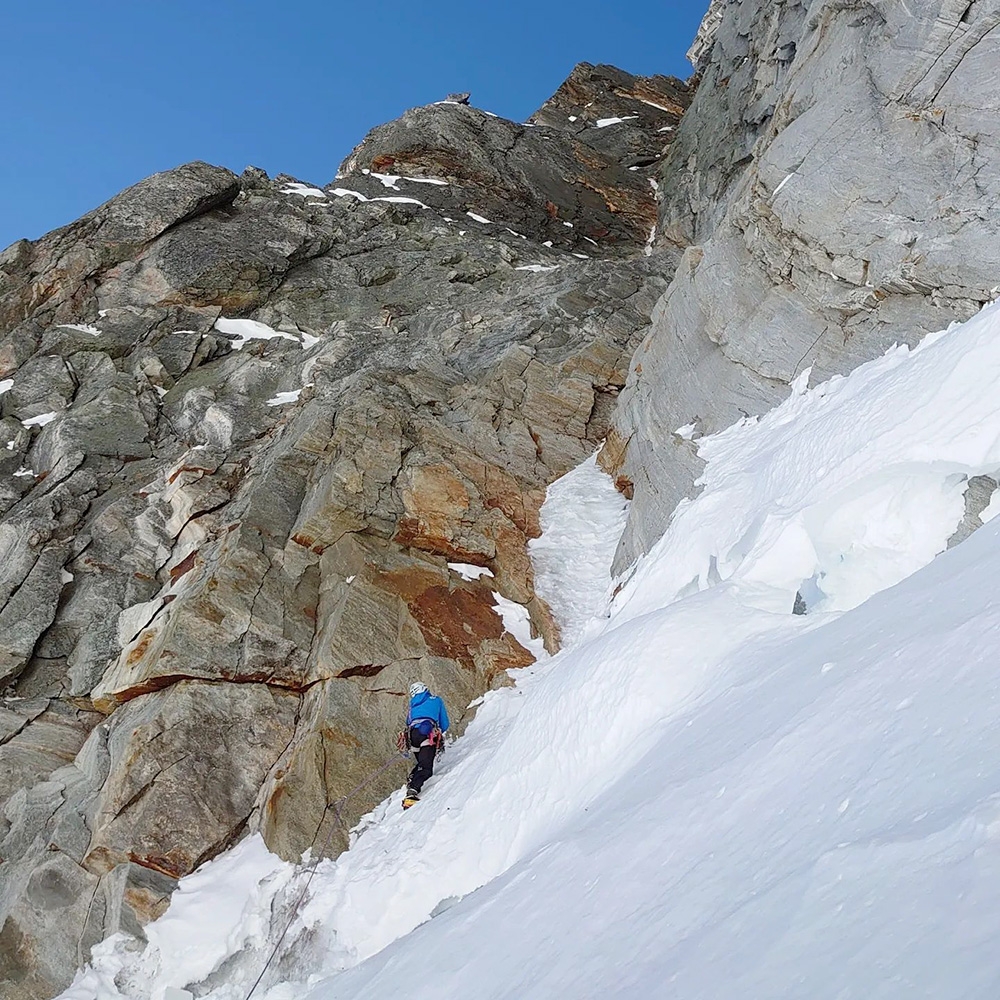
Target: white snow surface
{"points": [[517, 622], [246, 330], [81, 328], [303, 190], [703, 796], [845, 489], [605, 122], [402, 201], [660, 107], [40, 420], [582, 520], [214, 912], [6, 385], [347, 192], [391, 181], [992, 508], [283, 398], [467, 571]]}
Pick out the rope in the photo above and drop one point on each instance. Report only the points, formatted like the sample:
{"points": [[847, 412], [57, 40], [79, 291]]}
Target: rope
{"points": [[339, 818]]}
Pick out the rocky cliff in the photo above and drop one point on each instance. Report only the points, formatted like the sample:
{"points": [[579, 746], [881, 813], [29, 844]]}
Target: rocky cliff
{"points": [[835, 186], [248, 428]]}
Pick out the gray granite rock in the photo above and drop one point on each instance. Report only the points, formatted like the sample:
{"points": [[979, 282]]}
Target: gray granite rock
{"points": [[701, 47], [577, 177], [978, 495], [185, 769], [50, 281], [833, 181]]}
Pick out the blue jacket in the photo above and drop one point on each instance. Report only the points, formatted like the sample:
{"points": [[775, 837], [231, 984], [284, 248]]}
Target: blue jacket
{"points": [[427, 706]]}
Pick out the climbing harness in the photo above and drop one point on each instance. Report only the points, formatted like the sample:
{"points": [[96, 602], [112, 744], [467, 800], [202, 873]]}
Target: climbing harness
{"points": [[435, 738], [339, 819]]}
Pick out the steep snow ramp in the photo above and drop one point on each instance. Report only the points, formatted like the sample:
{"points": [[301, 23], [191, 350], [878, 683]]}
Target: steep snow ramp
{"points": [[582, 519], [822, 821], [762, 742]]}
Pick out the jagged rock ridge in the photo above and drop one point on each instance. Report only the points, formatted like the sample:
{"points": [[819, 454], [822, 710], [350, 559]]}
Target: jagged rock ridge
{"points": [[226, 544]]}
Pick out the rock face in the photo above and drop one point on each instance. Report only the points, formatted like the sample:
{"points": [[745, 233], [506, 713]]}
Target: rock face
{"points": [[834, 184], [245, 426]]}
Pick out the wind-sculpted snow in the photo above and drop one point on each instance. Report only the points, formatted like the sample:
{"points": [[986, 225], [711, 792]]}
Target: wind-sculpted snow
{"points": [[832, 185], [844, 489], [708, 793]]}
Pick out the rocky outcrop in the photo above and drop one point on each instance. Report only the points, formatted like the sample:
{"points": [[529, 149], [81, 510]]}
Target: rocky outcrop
{"points": [[629, 118], [249, 426], [246, 425], [701, 47], [834, 185], [575, 178]]}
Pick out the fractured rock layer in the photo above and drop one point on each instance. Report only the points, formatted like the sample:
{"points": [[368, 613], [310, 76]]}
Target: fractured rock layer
{"points": [[245, 426]]}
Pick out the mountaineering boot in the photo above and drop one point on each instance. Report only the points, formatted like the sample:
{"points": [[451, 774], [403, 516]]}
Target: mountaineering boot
{"points": [[410, 798]]}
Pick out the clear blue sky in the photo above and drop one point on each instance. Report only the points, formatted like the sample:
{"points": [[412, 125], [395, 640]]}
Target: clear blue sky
{"points": [[101, 93]]}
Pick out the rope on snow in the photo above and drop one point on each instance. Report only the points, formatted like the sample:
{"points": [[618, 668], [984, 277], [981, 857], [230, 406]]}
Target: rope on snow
{"points": [[339, 819]]}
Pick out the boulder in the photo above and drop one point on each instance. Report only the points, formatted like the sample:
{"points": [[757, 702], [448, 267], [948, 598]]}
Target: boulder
{"points": [[51, 278], [185, 767]]}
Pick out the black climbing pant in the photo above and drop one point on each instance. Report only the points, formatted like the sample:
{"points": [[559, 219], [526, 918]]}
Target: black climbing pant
{"points": [[425, 760]]}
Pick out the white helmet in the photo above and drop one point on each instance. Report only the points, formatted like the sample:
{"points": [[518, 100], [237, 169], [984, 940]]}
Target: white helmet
{"points": [[417, 687]]}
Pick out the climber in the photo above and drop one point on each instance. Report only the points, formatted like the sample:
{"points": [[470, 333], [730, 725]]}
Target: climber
{"points": [[426, 723]]}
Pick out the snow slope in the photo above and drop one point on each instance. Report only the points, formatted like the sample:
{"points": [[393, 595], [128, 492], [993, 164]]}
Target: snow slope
{"points": [[706, 797], [582, 519], [821, 821]]}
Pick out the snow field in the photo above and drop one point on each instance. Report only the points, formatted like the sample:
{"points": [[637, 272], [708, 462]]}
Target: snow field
{"points": [[842, 490], [519, 783]]}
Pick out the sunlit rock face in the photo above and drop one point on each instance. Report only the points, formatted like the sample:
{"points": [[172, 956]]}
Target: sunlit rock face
{"points": [[245, 426]]}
